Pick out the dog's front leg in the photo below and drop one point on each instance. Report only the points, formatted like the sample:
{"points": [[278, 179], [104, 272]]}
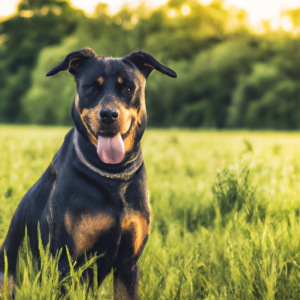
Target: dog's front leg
{"points": [[126, 282]]}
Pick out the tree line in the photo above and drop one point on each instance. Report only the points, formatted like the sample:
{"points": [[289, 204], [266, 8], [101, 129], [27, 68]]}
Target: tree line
{"points": [[228, 76]]}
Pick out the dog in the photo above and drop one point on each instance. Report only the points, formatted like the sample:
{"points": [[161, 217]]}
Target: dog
{"points": [[93, 197]]}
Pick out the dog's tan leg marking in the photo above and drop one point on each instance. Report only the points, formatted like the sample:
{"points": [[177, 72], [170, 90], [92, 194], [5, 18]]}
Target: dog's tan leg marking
{"points": [[86, 229], [138, 226]]}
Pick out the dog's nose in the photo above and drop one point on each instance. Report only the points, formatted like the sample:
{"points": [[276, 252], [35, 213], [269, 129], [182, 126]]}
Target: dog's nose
{"points": [[108, 116]]}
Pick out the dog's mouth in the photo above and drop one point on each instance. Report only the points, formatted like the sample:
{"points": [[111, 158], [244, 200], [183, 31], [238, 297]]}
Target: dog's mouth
{"points": [[110, 149]]}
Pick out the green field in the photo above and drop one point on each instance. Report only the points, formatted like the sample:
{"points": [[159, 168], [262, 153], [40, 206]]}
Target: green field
{"points": [[225, 213]]}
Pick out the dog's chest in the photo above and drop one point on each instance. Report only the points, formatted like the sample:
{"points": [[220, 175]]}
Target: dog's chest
{"points": [[115, 217]]}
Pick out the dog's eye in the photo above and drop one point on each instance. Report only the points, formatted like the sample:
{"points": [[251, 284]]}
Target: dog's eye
{"points": [[90, 91], [126, 90]]}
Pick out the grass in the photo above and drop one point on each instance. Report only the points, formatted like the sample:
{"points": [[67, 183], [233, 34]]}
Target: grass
{"points": [[225, 214]]}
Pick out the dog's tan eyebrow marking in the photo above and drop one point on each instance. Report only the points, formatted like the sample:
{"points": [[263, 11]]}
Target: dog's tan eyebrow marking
{"points": [[120, 80], [100, 80]]}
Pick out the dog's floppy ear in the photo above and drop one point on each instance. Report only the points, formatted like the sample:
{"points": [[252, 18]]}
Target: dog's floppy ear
{"points": [[146, 63], [73, 61]]}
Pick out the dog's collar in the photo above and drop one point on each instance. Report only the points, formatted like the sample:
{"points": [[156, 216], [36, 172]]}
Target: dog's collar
{"points": [[134, 163]]}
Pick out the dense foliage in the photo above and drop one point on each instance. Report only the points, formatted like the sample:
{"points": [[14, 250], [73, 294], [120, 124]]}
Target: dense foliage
{"points": [[228, 77], [225, 215], [38, 24]]}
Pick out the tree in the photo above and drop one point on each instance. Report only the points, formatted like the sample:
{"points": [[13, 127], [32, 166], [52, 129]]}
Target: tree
{"points": [[38, 23]]}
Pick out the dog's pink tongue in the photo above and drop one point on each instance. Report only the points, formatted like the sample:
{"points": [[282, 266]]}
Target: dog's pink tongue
{"points": [[111, 150]]}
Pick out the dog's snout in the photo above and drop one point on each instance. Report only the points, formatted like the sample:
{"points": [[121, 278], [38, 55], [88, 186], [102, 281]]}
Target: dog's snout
{"points": [[108, 116]]}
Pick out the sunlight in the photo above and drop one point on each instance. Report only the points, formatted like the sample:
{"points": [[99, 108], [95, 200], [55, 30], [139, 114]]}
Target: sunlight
{"points": [[172, 13], [114, 6], [266, 10], [8, 7], [274, 24], [286, 24], [257, 10], [206, 2], [185, 9], [26, 13]]}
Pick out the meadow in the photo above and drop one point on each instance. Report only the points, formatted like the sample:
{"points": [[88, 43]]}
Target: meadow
{"points": [[225, 214]]}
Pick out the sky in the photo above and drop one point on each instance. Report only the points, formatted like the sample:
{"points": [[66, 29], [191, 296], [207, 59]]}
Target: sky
{"points": [[257, 9]]}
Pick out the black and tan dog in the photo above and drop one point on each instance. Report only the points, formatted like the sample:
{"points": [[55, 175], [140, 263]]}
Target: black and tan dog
{"points": [[93, 197]]}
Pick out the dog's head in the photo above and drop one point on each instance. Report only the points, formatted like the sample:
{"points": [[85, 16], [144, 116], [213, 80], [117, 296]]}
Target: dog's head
{"points": [[109, 107]]}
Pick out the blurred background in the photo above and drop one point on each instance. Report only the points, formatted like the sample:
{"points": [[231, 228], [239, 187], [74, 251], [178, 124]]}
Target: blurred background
{"points": [[237, 60]]}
